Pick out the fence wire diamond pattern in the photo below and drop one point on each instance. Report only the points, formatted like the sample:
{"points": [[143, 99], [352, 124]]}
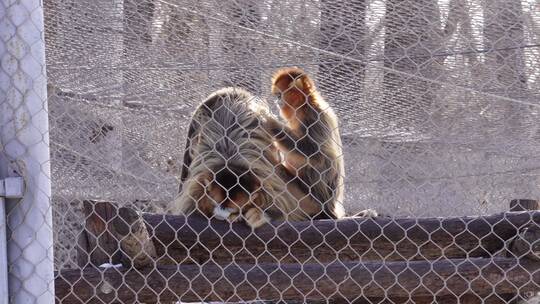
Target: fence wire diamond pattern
{"points": [[435, 160]]}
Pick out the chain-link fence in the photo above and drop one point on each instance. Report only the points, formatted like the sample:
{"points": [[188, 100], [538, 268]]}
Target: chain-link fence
{"points": [[437, 103]]}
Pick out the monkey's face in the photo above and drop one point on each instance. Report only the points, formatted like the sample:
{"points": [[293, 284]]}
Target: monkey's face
{"points": [[228, 191], [289, 91]]}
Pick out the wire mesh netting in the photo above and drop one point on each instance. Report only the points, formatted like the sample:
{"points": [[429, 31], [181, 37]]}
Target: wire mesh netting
{"points": [[437, 103]]}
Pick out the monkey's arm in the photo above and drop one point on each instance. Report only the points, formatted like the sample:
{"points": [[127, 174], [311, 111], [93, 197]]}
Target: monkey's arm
{"points": [[289, 141]]}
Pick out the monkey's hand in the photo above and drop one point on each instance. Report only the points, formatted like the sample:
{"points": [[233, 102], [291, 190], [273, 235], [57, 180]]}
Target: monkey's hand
{"points": [[222, 213], [367, 213], [255, 218], [274, 127], [234, 217]]}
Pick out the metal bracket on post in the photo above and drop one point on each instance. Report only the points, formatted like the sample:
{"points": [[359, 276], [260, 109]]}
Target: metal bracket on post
{"points": [[12, 187]]}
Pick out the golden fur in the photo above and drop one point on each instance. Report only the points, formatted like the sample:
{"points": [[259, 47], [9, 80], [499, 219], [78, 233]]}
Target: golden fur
{"points": [[228, 130], [310, 140]]}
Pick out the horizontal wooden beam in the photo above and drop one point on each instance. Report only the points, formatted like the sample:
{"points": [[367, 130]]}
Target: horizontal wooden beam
{"points": [[196, 240], [349, 280]]}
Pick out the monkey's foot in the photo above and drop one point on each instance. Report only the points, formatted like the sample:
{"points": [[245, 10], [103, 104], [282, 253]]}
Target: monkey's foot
{"points": [[256, 218]]}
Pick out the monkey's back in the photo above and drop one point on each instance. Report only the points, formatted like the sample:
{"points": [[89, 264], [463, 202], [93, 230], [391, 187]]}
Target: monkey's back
{"points": [[228, 129], [325, 171], [230, 126]]}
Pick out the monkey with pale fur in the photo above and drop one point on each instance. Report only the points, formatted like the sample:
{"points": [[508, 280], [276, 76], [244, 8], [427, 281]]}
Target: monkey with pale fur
{"points": [[231, 166]]}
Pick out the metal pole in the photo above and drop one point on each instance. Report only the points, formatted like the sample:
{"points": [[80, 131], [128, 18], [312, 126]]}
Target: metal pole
{"points": [[3, 254], [24, 143]]}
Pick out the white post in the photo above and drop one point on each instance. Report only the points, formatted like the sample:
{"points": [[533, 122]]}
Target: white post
{"points": [[24, 143], [3, 254]]}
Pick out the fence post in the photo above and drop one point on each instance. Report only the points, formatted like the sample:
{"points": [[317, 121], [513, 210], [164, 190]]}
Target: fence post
{"points": [[3, 253], [24, 151]]}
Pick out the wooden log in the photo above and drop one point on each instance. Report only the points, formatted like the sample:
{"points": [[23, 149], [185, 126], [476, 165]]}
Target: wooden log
{"points": [[178, 239], [196, 240], [524, 205], [527, 242], [115, 234], [522, 245], [467, 298], [98, 239], [304, 282], [83, 251], [137, 247]]}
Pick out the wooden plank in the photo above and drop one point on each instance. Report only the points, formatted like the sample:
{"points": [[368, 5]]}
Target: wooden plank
{"points": [[304, 282]]}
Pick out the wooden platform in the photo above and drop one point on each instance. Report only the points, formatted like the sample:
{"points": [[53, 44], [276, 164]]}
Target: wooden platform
{"points": [[167, 258]]}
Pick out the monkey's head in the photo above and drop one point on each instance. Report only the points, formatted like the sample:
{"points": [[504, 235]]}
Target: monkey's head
{"points": [[230, 189], [294, 88]]}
